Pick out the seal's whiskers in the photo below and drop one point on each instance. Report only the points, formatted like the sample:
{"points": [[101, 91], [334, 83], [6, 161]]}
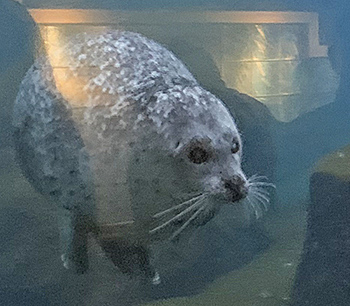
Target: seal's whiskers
{"points": [[178, 216], [256, 208], [264, 184], [260, 190], [258, 197], [256, 177], [263, 201], [188, 222], [162, 213]]}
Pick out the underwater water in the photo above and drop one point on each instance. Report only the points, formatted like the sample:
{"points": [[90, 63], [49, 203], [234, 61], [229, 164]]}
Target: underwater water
{"points": [[283, 75]]}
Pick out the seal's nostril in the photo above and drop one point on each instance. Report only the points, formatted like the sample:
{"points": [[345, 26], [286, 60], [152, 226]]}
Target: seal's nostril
{"points": [[236, 188]]}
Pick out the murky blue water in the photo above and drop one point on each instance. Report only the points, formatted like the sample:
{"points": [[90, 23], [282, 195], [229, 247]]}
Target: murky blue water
{"points": [[292, 60]]}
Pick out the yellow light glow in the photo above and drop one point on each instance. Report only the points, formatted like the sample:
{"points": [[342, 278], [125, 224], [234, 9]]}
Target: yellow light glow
{"points": [[263, 71], [71, 84]]}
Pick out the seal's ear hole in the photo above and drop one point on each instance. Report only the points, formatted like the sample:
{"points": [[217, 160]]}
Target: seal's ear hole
{"points": [[235, 146], [199, 152]]}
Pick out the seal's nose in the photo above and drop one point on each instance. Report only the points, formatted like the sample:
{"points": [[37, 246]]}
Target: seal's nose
{"points": [[236, 188]]}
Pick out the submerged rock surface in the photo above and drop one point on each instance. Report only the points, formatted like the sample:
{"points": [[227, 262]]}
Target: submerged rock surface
{"points": [[323, 276]]}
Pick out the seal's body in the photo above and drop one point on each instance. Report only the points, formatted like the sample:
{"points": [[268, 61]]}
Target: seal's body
{"points": [[126, 141]]}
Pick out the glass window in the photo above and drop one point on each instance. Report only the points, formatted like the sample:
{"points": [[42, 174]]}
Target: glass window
{"points": [[183, 153]]}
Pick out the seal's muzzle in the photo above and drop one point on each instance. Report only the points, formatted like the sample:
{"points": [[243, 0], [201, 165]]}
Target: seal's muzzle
{"points": [[236, 188]]}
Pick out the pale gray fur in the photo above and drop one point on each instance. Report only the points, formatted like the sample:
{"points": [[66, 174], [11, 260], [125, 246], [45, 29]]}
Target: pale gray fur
{"points": [[139, 98]]}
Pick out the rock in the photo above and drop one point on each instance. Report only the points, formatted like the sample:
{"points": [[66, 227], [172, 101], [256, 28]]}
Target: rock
{"points": [[323, 275], [18, 34]]}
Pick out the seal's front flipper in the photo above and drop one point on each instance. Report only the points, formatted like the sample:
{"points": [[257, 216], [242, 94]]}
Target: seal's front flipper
{"points": [[132, 259], [74, 230]]}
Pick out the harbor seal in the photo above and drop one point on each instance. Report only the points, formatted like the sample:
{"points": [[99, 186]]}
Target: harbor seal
{"points": [[116, 130]]}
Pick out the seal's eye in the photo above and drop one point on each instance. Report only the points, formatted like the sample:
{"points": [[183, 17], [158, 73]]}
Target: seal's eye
{"points": [[198, 155], [235, 146], [199, 151]]}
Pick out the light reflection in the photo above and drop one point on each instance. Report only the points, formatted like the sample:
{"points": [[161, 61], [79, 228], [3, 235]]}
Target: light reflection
{"points": [[71, 84], [263, 68]]}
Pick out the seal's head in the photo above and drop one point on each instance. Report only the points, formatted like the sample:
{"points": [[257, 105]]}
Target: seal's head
{"points": [[188, 159]]}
